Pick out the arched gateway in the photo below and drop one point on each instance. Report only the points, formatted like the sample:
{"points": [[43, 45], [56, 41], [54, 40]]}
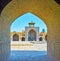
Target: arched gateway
{"points": [[48, 10], [32, 32]]}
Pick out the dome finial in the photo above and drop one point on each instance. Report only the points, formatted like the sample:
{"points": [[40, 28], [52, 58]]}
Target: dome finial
{"points": [[31, 23]]}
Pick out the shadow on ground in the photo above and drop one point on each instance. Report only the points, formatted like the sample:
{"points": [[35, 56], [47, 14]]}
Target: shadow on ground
{"points": [[30, 56]]}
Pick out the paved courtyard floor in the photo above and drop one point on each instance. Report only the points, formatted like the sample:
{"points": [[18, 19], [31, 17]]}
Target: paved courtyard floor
{"points": [[27, 45], [30, 56]]}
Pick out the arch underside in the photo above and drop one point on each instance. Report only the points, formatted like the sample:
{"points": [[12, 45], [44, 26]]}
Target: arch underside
{"points": [[43, 10]]}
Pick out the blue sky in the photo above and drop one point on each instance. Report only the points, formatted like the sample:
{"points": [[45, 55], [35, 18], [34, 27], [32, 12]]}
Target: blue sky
{"points": [[19, 24]]}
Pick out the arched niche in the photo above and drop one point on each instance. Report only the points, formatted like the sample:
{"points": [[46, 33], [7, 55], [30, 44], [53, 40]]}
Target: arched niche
{"points": [[40, 39], [32, 35], [15, 37], [23, 39]]}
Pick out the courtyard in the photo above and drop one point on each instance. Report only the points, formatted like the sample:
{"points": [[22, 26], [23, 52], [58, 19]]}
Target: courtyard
{"points": [[29, 51], [29, 46]]}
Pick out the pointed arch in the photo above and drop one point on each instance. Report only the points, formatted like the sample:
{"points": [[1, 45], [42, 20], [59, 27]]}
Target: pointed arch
{"points": [[23, 38], [15, 37], [32, 35]]}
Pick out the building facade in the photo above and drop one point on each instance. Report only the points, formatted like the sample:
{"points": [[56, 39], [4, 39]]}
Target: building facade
{"points": [[31, 33]]}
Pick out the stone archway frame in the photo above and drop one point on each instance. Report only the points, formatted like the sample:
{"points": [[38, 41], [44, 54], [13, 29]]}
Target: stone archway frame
{"points": [[49, 13]]}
